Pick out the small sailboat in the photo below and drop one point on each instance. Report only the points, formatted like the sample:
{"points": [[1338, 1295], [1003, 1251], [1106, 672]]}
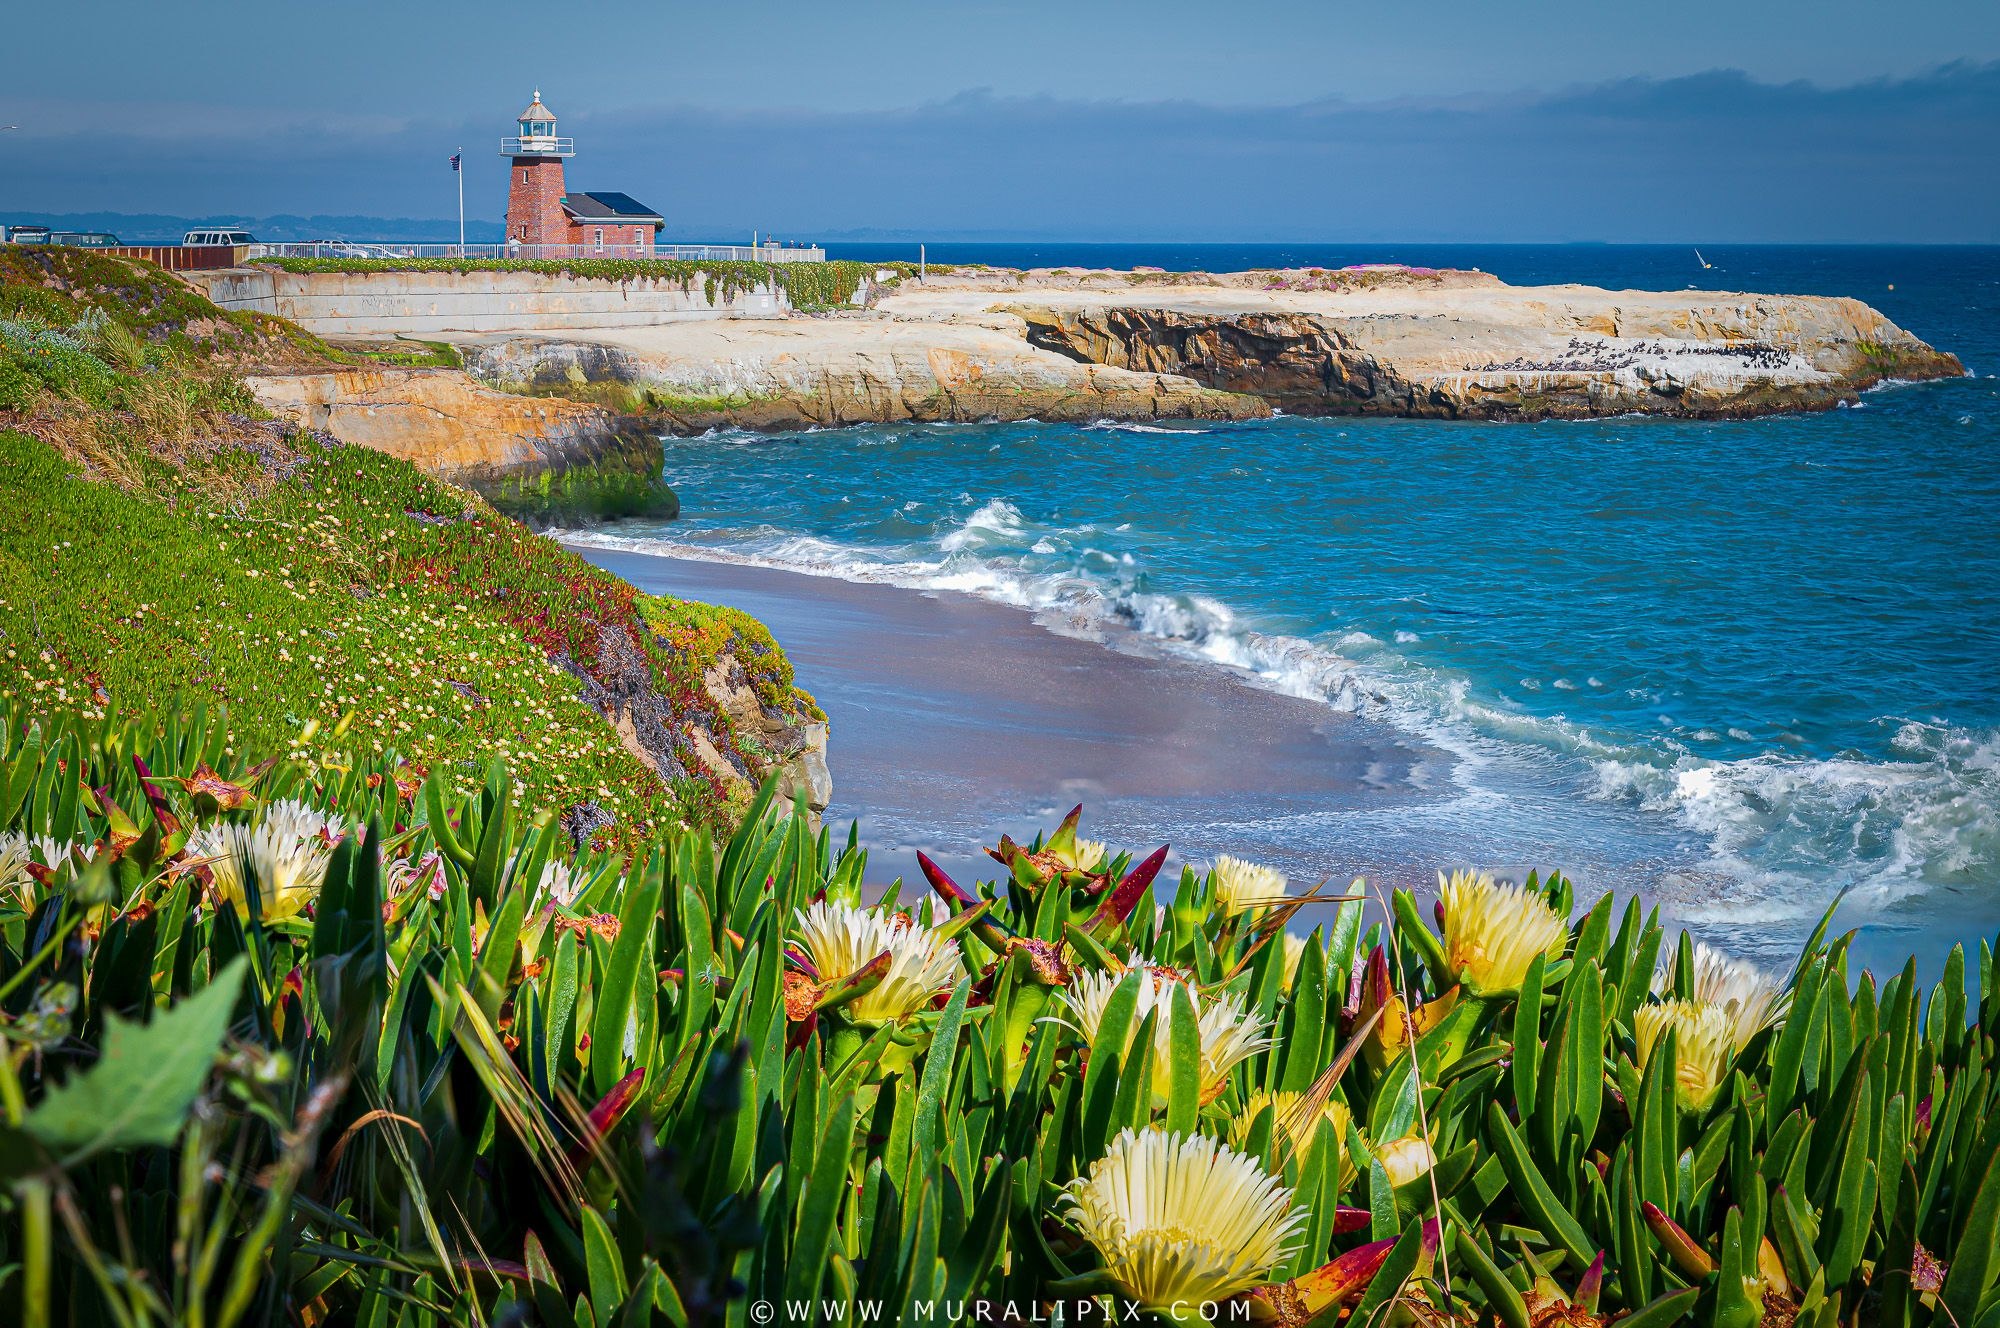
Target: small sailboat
{"points": [[1703, 261]]}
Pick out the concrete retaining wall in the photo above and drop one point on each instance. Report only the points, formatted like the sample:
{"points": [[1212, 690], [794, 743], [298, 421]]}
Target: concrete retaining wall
{"points": [[384, 304]]}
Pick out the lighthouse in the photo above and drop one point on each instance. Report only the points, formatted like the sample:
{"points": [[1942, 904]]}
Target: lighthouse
{"points": [[535, 184], [550, 223]]}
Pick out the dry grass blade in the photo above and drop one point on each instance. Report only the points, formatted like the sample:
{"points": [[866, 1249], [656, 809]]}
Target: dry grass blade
{"points": [[419, 1199], [1417, 1070], [1278, 917], [367, 1118], [512, 1096], [1303, 1118]]}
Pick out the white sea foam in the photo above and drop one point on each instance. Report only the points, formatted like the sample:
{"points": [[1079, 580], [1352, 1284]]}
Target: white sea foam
{"points": [[1132, 426]]}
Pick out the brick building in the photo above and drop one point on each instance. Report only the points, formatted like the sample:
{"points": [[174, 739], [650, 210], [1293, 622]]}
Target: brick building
{"points": [[541, 212]]}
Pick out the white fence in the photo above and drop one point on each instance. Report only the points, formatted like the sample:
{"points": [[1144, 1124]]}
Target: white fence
{"points": [[735, 253]]}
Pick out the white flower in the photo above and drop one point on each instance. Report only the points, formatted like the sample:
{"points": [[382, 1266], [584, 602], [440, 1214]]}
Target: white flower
{"points": [[289, 816], [558, 884], [15, 855], [1087, 857], [840, 939], [1241, 886], [285, 854], [54, 852], [1182, 1219], [1493, 932], [403, 874], [1751, 997], [1230, 1033]]}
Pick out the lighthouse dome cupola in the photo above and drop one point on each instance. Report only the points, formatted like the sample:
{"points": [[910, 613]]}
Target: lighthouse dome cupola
{"points": [[538, 134]]}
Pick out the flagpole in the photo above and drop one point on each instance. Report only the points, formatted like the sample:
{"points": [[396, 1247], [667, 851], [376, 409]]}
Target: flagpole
{"points": [[458, 169]]}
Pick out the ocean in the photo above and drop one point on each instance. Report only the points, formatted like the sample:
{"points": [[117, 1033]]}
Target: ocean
{"points": [[1744, 667]]}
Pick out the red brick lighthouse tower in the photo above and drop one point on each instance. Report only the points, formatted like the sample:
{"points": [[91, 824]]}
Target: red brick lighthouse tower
{"points": [[535, 184]]}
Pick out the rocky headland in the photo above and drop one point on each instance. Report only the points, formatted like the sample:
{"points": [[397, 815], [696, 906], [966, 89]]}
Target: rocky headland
{"points": [[997, 345]]}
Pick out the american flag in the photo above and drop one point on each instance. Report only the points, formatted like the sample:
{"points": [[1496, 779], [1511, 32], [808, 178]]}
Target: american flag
{"points": [[454, 160]]}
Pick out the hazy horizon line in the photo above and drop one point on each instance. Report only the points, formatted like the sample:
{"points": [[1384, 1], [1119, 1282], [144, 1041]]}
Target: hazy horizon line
{"points": [[489, 231]]}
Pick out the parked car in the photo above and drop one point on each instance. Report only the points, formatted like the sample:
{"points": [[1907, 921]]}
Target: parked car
{"points": [[24, 234], [212, 237], [84, 239]]}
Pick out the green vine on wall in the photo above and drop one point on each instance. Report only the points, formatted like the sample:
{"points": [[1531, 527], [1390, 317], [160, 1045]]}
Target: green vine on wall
{"points": [[825, 285]]}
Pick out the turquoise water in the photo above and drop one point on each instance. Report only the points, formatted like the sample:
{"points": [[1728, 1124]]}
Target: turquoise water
{"points": [[1745, 665]]}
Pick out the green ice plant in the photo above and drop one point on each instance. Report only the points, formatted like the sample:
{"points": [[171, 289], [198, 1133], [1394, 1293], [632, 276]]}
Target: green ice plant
{"points": [[289, 1042]]}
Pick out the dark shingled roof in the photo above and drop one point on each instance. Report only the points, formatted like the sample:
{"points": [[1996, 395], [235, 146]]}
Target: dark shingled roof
{"points": [[608, 207]]}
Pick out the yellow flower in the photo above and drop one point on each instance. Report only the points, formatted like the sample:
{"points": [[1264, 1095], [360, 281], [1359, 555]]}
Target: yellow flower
{"points": [[1295, 950], [1406, 1159], [1492, 932], [1753, 998], [1241, 886], [841, 939], [1392, 1032], [1703, 1052], [1179, 1220], [1230, 1033], [1294, 1121]]}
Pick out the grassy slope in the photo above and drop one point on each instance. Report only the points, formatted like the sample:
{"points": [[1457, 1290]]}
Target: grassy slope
{"points": [[338, 603]]}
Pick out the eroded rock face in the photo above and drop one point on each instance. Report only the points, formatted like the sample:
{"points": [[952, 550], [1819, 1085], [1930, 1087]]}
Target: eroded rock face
{"points": [[830, 372], [794, 744], [1292, 361], [622, 689], [680, 742], [543, 459], [1707, 360]]}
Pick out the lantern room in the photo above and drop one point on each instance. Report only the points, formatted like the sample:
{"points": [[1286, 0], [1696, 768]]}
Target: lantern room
{"points": [[538, 134]]}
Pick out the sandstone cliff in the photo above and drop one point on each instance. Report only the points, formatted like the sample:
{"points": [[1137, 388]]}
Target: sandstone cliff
{"points": [[546, 461], [832, 370]]}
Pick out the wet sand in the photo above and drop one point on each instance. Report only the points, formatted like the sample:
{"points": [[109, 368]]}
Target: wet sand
{"points": [[955, 720]]}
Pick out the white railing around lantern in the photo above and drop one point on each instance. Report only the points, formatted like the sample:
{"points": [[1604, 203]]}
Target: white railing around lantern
{"points": [[536, 146], [714, 253]]}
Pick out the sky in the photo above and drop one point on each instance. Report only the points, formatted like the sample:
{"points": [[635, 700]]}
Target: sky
{"points": [[1541, 120]]}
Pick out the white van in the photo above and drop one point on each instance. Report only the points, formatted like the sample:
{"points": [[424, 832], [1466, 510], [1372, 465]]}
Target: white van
{"points": [[218, 237]]}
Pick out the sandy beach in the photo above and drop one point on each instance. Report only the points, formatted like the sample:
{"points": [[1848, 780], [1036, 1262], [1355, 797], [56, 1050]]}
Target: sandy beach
{"points": [[955, 720]]}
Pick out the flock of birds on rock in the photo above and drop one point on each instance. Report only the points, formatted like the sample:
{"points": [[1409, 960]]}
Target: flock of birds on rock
{"points": [[1589, 355]]}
